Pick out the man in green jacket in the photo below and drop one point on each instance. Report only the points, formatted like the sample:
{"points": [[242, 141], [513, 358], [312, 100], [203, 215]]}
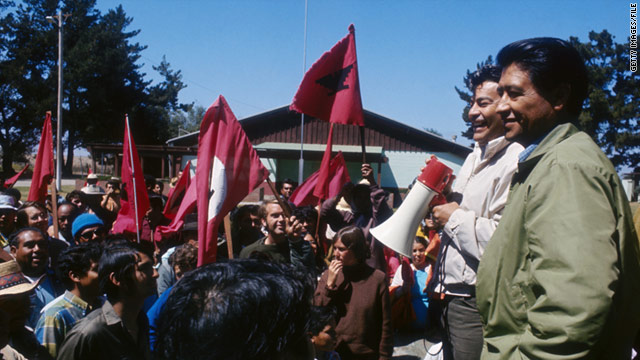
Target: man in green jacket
{"points": [[560, 277]]}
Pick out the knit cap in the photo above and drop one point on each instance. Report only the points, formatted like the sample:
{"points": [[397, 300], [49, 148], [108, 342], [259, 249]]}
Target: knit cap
{"points": [[85, 221]]}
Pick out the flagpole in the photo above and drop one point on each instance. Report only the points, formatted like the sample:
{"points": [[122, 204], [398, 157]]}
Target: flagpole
{"points": [[304, 69], [285, 210], [133, 175], [54, 208], [364, 150]]}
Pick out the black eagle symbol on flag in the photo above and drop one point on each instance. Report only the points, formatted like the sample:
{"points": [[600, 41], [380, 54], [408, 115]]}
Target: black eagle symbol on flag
{"points": [[336, 81]]}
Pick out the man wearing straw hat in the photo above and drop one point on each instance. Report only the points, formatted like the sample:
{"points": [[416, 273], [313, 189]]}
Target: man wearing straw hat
{"points": [[16, 341]]}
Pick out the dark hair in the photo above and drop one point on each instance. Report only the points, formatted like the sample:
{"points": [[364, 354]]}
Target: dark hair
{"points": [[307, 213], [13, 239], [13, 192], [22, 220], [488, 72], [421, 240], [78, 260], [353, 239], [155, 202], [76, 194], [161, 184], [121, 261], [240, 309], [74, 210], [241, 211], [149, 181], [288, 181], [185, 257], [549, 62], [319, 317], [361, 190]]}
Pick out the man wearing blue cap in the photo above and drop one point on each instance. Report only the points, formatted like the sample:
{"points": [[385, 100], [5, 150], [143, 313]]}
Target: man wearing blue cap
{"points": [[88, 227]]}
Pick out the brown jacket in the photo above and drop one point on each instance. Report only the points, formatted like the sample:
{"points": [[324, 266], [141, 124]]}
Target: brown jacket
{"points": [[364, 312]]}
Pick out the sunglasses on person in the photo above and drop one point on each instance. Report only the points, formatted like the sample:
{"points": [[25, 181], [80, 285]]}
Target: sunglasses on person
{"points": [[89, 234]]}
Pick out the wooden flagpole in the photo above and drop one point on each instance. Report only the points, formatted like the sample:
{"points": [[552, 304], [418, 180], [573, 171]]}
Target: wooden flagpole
{"points": [[227, 230], [285, 209], [54, 209], [133, 175], [364, 150]]}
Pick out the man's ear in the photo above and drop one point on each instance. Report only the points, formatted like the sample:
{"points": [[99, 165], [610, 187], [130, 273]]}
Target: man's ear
{"points": [[561, 97], [113, 279], [73, 276]]}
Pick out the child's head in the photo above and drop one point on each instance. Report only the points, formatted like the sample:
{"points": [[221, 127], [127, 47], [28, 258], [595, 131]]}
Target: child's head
{"points": [[322, 324]]}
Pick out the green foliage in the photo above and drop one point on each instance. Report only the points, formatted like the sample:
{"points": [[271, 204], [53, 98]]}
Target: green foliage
{"points": [[102, 78], [186, 121], [433, 131], [612, 110]]}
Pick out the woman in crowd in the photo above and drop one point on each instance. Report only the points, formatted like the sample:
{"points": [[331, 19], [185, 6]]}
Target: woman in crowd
{"points": [[408, 288], [361, 297]]}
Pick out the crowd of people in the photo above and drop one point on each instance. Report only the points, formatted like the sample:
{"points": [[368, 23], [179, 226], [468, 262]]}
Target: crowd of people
{"points": [[533, 255]]}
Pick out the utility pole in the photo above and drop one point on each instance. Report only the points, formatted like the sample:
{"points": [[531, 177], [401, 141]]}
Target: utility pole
{"points": [[60, 19]]}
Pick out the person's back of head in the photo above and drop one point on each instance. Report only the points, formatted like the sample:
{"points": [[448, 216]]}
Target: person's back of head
{"points": [[241, 309], [74, 265]]}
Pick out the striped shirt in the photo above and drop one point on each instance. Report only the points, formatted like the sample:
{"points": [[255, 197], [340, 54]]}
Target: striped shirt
{"points": [[57, 319]]}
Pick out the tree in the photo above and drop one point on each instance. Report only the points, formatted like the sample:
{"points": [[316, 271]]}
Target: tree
{"points": [[611, 112], [24, 49], [186, 121], [103, 81], [433, 131]]}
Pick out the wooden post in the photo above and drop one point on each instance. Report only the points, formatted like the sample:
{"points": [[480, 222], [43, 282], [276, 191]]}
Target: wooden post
{"points": [[380, 171], [364, 150], [227, 230], [285, 210], [54, 209]]}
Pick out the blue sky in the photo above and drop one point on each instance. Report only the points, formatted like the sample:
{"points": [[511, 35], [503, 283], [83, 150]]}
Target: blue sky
{"points": [[411, 54]]}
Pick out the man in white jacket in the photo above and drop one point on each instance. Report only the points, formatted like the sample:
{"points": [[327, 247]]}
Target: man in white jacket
{"points": [[479, 196]]}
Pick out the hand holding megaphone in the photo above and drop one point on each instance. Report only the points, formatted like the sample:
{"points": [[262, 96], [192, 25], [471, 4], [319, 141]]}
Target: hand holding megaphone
{"points": [[399, 231]]}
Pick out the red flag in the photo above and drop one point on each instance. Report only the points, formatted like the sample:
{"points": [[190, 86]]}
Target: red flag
{"points": [[176, 194], [44, 170], [322, 187], [126, 220], [330, 90], [304, 193], [12, 180], [187, 205], [228, 170]]}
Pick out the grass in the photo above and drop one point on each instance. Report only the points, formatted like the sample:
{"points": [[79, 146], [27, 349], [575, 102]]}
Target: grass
{"points": [[24, 191]]}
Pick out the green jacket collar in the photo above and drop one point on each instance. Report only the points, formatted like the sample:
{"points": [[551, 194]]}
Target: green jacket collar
{"points": [[558, 134]]}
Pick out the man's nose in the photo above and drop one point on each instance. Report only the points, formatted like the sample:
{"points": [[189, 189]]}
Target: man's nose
{"points": [[474, 112], [503, 105]]}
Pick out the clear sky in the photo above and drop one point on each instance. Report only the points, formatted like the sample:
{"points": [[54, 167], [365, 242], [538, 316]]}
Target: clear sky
{"points": [[411, 54]]}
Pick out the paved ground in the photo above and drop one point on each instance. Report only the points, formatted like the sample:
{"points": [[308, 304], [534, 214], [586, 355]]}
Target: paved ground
{"points": [[412, 346], [27, 182]]}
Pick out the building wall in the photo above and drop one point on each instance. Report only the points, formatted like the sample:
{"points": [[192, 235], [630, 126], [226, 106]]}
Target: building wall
{"points": [[404, 166], [401, 169]]}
